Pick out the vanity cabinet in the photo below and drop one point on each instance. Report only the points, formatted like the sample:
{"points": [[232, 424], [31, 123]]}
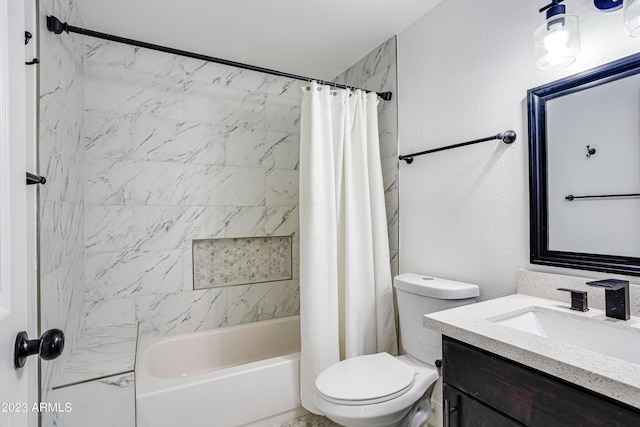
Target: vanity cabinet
{"points": [[483, 389]]}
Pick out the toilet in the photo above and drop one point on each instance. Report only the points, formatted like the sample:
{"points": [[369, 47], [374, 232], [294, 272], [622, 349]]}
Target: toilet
{"points": [[379, 390]]}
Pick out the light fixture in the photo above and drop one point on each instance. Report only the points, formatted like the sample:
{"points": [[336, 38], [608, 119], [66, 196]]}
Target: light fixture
{"points": [[607, 5], [632, 17], [557, 40], [631, 14]]}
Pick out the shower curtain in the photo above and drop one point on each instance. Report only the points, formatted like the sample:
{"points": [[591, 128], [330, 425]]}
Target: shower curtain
{"points": [[346, 298]]}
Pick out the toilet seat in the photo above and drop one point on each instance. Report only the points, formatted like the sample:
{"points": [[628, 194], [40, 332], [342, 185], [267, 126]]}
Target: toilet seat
{"points": [[365, 380]]}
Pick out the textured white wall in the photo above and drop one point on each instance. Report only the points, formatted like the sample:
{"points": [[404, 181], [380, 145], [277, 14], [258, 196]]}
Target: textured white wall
{"points": [[464, 71]]}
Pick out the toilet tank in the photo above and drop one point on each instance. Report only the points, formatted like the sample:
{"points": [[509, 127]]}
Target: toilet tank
{"points": [[418, 295]]}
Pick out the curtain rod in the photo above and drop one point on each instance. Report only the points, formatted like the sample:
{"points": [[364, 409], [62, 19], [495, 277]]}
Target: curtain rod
{"points": [[57, 27], [507, 137]]}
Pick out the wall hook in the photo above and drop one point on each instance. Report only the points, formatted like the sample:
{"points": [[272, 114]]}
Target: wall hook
{"points": [[35, 179], [27, 37], [590, 151]]}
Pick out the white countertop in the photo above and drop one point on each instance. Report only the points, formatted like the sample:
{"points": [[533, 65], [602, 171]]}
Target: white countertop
{"points": [[603, 374]]}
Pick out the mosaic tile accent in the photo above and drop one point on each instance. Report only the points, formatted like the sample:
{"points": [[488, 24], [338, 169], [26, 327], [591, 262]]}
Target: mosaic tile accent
{"points": [[235, 261]]}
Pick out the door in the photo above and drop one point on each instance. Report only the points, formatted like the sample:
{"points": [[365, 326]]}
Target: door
{"points": [[16, 410]]}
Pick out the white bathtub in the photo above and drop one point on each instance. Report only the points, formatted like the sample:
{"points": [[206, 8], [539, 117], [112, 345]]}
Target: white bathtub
{"points": [[246, 375]]}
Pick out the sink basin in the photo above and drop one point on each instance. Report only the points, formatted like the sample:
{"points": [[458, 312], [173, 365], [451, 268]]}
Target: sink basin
{"points": [[603, 336]]}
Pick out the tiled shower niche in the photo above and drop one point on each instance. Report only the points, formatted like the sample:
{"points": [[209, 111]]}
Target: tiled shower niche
{"points": [[241, 260]]}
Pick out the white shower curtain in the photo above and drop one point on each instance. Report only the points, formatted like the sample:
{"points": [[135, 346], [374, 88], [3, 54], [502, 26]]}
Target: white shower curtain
{"points": [[346, 298]]}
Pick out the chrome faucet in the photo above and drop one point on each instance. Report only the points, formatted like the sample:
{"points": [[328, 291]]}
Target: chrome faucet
{"points": [[616, 294]]}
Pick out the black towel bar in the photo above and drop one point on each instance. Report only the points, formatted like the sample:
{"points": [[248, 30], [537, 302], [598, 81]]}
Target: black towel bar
{"points": [[571, 197], [507, 137]]}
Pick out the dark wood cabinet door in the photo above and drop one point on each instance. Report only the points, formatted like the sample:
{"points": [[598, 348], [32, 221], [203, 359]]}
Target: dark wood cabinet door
{"points": [[468, 412], [525, 395]]}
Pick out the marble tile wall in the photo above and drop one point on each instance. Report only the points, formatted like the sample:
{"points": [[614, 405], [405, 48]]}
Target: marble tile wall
{"points": [[178, 150], [377, 71], [61, 161], [107, 402]]}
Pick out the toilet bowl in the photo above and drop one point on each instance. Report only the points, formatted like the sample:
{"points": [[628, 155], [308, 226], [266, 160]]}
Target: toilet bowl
{"points": [[379, 390], [376, 390]]}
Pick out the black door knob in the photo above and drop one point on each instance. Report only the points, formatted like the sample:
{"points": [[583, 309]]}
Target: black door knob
{"points": [[49, 346]]}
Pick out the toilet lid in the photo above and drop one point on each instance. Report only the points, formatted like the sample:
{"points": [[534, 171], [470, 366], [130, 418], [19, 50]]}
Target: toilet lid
{"points": [[366, 379]]}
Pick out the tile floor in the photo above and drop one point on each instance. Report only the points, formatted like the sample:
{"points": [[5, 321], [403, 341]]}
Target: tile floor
{"points": [[309, 420]]}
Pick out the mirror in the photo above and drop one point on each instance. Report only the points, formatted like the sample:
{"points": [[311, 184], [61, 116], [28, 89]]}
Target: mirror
{"points": [[584, 169]]}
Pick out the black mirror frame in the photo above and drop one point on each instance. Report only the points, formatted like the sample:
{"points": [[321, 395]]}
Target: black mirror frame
{"points": [[538, 204]]}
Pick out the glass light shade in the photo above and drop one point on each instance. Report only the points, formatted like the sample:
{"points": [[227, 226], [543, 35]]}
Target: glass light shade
{"points": [[632, 17], [557, 42]]}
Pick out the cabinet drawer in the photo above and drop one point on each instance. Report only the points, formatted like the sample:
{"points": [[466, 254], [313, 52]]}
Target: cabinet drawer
{"points": [[529, 396]]}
